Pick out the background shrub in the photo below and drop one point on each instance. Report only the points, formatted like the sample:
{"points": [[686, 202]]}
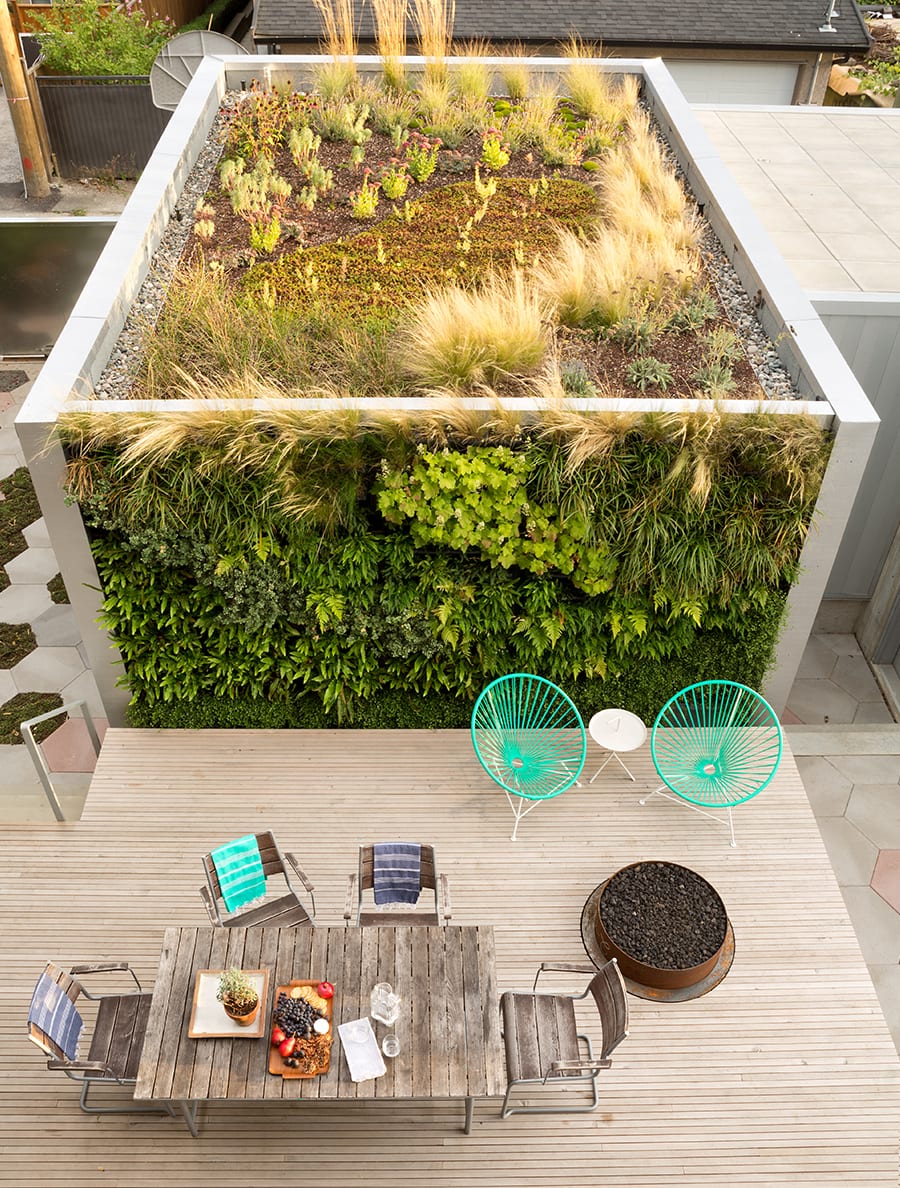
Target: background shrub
{"points": [[76, 38]]}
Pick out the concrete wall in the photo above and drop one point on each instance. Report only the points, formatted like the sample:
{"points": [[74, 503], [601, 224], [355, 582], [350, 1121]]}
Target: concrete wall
{"points": [[810, 354], [866, 329], [820, 373]]}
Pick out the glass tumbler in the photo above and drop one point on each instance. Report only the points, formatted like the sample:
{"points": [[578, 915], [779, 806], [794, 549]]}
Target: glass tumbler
{"points": [[390, 1045]]}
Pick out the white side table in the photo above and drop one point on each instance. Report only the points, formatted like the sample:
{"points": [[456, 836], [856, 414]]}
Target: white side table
{"points": [[616, 730]]}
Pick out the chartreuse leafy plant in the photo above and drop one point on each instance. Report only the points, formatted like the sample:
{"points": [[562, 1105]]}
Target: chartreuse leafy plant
{"points": [[478, 500], [324, 564]]}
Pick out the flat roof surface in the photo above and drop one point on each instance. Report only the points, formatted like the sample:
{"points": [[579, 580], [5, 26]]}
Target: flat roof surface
{"points": [[825, 183]]}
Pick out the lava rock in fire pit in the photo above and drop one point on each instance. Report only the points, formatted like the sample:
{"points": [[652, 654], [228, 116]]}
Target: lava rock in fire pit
{"points": [[663, 915]]}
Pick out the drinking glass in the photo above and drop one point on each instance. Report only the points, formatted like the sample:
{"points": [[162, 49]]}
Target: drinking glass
{"points": [[390, 1045], [384, 1004]]}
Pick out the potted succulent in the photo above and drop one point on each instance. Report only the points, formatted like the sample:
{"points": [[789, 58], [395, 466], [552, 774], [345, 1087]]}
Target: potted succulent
{"points": [[238, 996]]}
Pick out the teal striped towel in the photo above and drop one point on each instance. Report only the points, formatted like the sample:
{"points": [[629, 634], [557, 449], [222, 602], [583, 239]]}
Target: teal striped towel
{"points": [[240, 871]]}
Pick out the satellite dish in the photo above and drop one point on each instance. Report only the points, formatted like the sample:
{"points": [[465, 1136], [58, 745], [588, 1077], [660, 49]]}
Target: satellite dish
{"points": [[178, 61]]}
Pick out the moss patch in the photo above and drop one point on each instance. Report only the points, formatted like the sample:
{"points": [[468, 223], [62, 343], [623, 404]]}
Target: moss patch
{"points": [[19, 507], [29, 705], [16, 642], [57, 588]]}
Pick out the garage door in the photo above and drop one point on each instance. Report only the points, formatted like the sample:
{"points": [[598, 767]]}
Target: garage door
{"points": [[735, 82]]}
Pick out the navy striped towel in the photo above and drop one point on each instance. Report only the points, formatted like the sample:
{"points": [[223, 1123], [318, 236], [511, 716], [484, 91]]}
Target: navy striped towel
{"points": [[55, 1014], [240, 871], [397, 874]]}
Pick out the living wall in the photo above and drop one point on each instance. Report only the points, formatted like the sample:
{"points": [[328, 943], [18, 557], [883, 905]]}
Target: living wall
{"points": [[284, 569], [428, 240]]}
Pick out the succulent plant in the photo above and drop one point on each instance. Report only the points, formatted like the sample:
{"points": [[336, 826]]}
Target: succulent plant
{"points": [[236, 991]]}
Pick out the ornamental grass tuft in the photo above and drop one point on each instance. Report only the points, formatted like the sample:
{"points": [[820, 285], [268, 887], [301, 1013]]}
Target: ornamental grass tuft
{"points": [[461, 337]]}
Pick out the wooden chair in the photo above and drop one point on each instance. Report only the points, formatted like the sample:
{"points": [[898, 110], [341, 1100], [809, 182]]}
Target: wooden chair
{"points": [[114, 1051], [287, 911], [430, 880], [542, 1040]]}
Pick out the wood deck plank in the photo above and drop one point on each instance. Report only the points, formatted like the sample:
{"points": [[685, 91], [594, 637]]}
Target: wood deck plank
{"points": [[783, 1075]]}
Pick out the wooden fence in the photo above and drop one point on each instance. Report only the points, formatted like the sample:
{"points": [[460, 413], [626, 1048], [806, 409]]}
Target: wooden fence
{"points": [[96, 125], [178, 11]]}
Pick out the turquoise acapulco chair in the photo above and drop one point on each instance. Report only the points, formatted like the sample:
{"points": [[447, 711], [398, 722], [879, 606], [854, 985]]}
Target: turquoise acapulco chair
{"points": [[529, 738], [714, 745]]}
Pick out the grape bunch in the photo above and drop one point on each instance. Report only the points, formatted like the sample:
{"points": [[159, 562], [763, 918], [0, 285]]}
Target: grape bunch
{"points": [[295, 1016]]}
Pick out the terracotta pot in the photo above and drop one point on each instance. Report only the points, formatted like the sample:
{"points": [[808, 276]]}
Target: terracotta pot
{"points": [[243, 1020]]}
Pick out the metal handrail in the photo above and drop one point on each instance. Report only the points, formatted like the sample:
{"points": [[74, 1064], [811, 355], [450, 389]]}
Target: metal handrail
{"points": [[37, 755]]}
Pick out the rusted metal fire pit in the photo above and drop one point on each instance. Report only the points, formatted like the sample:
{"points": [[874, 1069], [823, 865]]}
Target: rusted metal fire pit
{"points": [[666, 926]]}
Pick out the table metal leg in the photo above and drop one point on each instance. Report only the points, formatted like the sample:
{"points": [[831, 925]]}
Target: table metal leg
{"points": [[470, 1110], [189, 1113]]}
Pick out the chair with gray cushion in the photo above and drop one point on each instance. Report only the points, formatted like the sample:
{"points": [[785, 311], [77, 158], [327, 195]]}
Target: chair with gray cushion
{"points": [[543, 1044], [361, 885], [56, 1025], [284, 911]]}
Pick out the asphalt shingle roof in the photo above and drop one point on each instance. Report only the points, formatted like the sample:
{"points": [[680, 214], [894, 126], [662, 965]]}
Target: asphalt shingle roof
{"points": [[731, 24]]}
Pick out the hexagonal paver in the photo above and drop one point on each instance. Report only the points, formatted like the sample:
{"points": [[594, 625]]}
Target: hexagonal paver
{"points": [[866, 769], [56, 628], [47, 670], [875, 811], [873, 713], [18, 766], [853, 674], [820, 701], [8, 688], [22, 604], [852, 855], [826, 789], [876, 924], [886, 877], [70, 749], [32, 566], [37, 536], [818, 660], [9, 463], [84, 688], [841, 645]]}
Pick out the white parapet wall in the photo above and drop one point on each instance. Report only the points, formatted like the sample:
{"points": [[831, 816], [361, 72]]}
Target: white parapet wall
{"points": [[829, 390]]}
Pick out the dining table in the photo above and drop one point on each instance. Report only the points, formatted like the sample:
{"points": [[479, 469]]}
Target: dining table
{"points": [[448, 1027]]}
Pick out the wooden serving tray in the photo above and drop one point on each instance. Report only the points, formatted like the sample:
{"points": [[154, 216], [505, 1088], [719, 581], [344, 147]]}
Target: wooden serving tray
{"points": [[277, 1065]]}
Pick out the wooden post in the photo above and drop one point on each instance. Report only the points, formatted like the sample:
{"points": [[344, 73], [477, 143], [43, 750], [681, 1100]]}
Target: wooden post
{"points": [[37, 183]]}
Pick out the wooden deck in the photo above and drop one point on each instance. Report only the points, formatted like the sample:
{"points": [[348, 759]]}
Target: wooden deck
{"points": [[784, 1074]]}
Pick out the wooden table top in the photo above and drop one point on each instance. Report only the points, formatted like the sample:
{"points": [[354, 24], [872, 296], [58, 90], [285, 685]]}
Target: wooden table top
{"points": [[449, 1027]]}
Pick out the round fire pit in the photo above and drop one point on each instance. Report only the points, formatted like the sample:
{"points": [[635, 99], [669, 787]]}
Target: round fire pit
{"points": [[666, 926]]}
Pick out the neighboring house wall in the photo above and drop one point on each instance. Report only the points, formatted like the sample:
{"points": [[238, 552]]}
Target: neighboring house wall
{"points": [[735, 80]]}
